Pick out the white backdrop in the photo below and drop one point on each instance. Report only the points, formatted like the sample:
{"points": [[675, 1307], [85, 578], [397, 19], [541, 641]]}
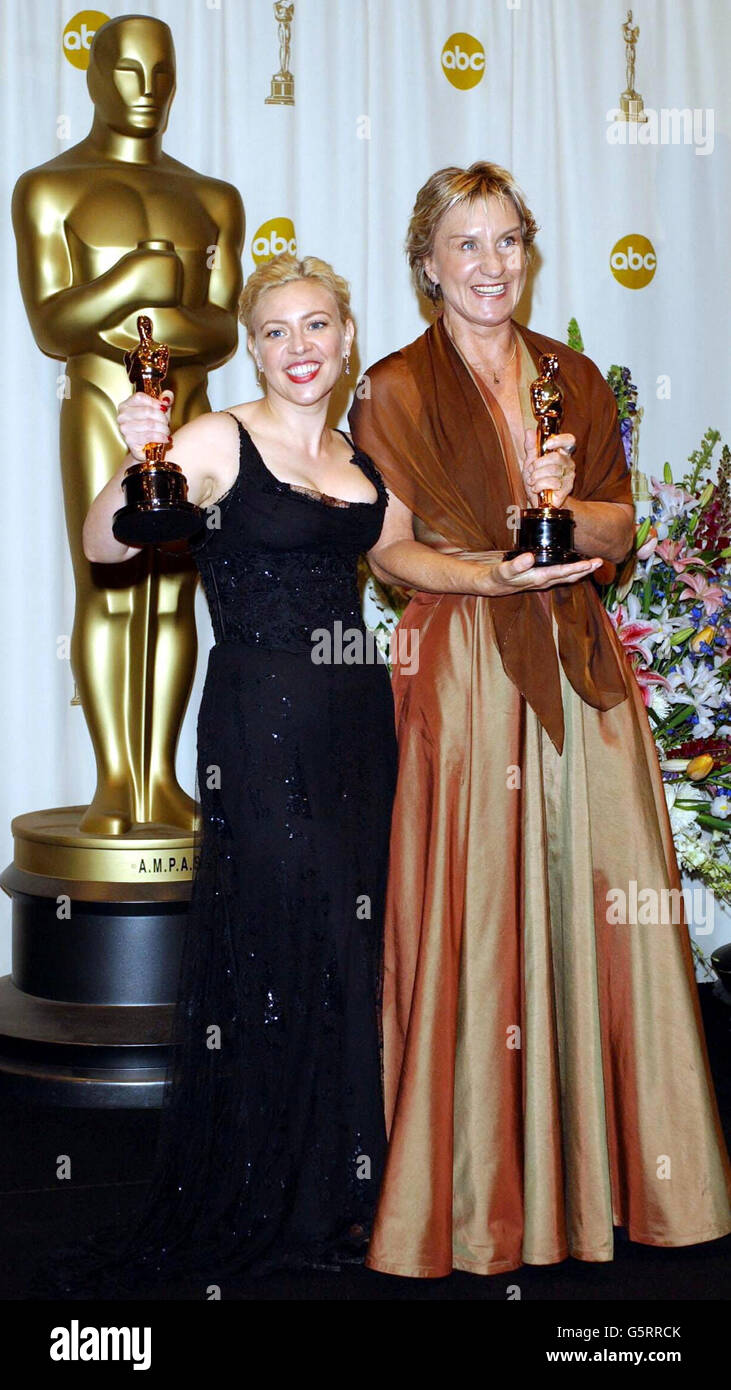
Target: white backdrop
{"points": [[375, 113]]}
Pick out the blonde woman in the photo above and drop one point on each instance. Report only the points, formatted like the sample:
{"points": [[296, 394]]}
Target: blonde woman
{"points": [[272, 1136]]}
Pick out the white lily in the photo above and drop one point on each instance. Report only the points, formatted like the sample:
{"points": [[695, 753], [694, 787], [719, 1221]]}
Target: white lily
{"points": [[694, 684]]}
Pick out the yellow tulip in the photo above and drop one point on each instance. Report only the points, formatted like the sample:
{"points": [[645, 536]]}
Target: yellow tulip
{"points": [[706, 634], [699, 768]]}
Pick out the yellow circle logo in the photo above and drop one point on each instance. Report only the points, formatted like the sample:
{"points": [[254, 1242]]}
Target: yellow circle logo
{"points": [[272, 239], [78, 34], [463, 60], [633, 261]]}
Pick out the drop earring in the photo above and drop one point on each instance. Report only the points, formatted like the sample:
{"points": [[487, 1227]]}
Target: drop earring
{"points": [[346, 359]]}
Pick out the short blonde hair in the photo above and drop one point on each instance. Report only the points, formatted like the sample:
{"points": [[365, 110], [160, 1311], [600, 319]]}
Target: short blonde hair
{"points": [[446, 189], [283, 270]]}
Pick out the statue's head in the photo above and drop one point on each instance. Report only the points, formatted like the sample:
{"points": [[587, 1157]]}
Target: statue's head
{"points": [[131, 77]]}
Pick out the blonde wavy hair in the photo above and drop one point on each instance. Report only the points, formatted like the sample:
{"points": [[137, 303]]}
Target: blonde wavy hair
{"points": [[446, 189], [283, 270]]}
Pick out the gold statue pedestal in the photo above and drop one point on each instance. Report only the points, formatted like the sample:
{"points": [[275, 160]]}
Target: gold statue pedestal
{"points": [[281, 91], [97, 921], [631, 108], [640, 489]]}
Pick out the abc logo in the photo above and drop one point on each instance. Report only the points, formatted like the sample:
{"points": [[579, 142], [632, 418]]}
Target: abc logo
{"points": [[463, 60], [633, 261], [78, 34], [272, 239]]}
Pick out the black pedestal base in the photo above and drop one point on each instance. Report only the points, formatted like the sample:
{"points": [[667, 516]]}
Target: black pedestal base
{"points": [[87, 1014], [104, 1055]]}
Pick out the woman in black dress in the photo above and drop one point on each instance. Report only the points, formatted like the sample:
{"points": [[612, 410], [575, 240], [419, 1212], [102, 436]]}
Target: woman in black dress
{"points": [[272, 1134]]}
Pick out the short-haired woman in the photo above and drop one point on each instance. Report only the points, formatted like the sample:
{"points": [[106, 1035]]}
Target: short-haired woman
{"points": [[545, 1068], [272, 1135]]}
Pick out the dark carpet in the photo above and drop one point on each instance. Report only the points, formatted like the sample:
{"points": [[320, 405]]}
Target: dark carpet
{"points": [[110, 1152]]}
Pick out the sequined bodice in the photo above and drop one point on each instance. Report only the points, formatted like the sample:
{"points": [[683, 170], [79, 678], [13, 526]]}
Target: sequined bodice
{"points": [[277, 561]]}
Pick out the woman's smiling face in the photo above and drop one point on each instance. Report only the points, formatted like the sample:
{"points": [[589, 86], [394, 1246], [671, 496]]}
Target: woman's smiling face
{"points": [[300, 341], [479, 260]]}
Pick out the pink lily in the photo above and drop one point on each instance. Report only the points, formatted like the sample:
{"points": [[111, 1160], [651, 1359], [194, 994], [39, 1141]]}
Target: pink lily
{"points": [[710, 595], [674, 553], [673, 499], [632, 635], [646, 550], [646, 680]]}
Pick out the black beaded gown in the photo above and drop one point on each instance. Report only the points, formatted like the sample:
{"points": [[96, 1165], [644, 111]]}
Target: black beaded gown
{"points": [[272, 1140]]}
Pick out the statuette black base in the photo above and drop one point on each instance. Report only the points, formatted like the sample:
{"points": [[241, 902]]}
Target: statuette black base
{"points": [[157, 510], [548, 532]]}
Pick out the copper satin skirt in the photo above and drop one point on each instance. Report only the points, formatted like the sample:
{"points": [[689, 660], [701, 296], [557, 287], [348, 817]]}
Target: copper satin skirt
{"points": [[546, 1074]]}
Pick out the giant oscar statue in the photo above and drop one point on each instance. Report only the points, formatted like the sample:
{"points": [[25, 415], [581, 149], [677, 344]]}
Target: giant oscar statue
{"points": [[111, 229]]}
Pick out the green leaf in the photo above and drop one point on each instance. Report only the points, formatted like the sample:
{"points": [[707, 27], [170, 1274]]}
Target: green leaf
{"points": [[713, 822], [680, 717], [574, 338], [643, 532]]}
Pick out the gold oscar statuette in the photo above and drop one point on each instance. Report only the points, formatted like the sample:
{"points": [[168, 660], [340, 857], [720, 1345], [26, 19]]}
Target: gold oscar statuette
{"points": [[157, 508], [110, 229], [631, 106], [282, 84], [546, 530]]}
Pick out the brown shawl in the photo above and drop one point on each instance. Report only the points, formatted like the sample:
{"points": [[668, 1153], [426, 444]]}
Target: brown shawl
{"points": [[424, 422]]}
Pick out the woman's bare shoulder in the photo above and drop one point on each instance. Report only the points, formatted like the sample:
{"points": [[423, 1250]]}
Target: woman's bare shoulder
{"points": [[215, 431], [206, 448], [205, 428], [245, 412]]}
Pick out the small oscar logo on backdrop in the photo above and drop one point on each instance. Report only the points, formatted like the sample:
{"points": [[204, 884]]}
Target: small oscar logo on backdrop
{"points": [[282, 85], [463, 61], [631, 106], [78, 34], [633, 261], [273, 238]]}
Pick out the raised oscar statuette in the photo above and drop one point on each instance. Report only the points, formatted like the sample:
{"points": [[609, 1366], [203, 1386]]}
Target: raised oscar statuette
{"points": [[157, 508]]}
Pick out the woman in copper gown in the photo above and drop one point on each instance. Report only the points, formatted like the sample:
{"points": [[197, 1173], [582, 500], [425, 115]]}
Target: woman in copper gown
{"points": [[545, 1068]]}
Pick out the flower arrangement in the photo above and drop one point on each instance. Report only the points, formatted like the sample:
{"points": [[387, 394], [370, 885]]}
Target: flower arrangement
{"points": [[672, 613]]}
